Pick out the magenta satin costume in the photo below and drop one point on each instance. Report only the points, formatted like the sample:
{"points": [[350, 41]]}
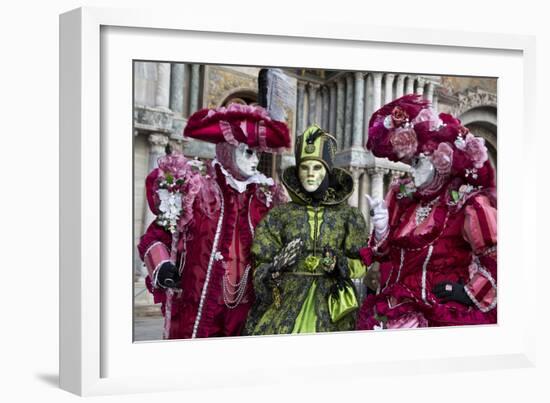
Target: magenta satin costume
{"points": [[211, 245], [456, 242], [443, 233], [200, 310]]}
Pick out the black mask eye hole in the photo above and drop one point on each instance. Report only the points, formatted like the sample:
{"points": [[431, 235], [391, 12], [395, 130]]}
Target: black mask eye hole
{"points": [[249, 152]]}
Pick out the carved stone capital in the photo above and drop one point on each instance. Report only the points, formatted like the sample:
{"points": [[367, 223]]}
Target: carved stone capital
{"points": [[158, 142], [359, 76], [355, 173], [377, 171], [377, 76], [153, 119]]}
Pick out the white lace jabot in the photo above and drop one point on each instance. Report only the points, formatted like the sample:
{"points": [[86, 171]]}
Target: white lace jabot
{"points": [[240, 186]]}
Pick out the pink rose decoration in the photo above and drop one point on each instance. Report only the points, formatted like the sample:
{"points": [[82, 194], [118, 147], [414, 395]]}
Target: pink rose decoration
{"points": [[428, 115], [442, 158], [399, 116], [175, 164], [404, 142], [476, 150]]}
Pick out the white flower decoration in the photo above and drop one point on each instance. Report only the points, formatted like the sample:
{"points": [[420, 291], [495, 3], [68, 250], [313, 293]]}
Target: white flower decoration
{"points": [[170, 209]]}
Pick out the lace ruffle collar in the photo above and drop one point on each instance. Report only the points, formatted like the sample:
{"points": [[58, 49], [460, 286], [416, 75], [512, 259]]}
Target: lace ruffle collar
{"points": [[240, 186]]}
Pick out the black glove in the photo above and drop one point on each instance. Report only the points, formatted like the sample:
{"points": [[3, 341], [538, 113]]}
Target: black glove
{"points": [[168, 276], [449, 291], [339, 271]]}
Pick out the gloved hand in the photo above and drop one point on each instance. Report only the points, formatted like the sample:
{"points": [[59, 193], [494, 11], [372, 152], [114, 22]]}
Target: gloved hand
{"points": [[286, 257], [329, 259], [449, 291], [336, 269], [379, 216], [168, 276]]}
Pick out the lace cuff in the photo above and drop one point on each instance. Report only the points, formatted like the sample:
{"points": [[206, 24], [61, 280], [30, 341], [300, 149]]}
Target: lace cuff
{"points": [[481, 288], [154, 256]]}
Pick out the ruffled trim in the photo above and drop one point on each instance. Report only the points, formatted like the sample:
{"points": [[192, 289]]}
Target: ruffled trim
{"points": [[240, 186]]}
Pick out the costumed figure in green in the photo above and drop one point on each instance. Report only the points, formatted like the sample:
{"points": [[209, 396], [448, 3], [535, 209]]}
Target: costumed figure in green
{"points": [[305, 252]]}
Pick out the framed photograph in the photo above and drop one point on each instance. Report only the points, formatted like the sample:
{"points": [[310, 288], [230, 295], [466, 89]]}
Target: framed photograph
{"points": [[119, 112]]}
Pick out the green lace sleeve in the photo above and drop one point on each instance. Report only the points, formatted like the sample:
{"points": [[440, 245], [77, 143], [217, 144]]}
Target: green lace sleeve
{"points": [[356, 233], [267, 242]]}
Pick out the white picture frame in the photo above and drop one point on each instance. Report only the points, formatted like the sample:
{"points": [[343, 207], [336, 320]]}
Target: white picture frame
{"points": [[96, 355]]}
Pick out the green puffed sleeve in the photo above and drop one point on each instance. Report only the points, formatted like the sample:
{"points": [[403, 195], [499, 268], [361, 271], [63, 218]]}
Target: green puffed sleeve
{"points": [[356, 238], [267, 243]]}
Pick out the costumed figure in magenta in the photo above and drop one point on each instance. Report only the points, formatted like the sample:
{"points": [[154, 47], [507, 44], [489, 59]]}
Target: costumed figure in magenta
{"points": [[435, 234], [197, 251]]}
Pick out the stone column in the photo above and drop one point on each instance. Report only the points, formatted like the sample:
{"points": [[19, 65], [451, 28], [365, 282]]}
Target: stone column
{"points": [[312, 102], [301, 93], [157, 148], [355, 174], [388, 87], [430, 91], [358, 110], [420, 86], [195, 88], [325, 108], [177, 79], [376, 91], [349, 111], [399, 86], [377, 181], [410, 85], [332, 108], [162, 93], [368, 106], [435, 103], [363, 190], [340, 111]]}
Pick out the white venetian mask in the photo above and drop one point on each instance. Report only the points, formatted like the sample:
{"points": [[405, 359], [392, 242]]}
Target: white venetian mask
{"points": [[423, 171], [311, 174], [246, 160]]}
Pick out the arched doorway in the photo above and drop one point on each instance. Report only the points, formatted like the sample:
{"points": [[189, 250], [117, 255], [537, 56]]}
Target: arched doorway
{"points": [[482, 122]]}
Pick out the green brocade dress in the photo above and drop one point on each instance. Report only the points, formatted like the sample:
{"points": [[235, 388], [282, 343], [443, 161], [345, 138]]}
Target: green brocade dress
{"points": [[306, 305]]}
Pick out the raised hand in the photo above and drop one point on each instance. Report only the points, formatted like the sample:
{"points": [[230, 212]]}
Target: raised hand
{"points": [[379, 216]]}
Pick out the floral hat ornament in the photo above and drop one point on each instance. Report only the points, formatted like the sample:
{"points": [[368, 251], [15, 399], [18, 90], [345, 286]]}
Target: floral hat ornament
{"points": [[407, 128]]}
